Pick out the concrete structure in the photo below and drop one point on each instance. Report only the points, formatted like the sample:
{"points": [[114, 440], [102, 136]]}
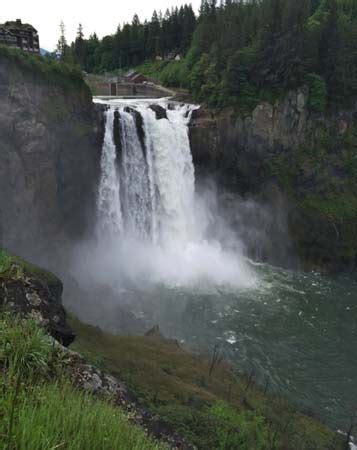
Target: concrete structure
{"points": [[136, 90], [105, 86], [20, 35]]}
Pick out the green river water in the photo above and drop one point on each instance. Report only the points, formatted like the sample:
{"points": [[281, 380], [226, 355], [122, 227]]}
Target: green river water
{"points": [[297, 330]]}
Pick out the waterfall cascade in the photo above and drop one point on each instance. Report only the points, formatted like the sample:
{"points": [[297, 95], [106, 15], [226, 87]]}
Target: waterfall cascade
{"points": [[147, 175], [148, 212]]}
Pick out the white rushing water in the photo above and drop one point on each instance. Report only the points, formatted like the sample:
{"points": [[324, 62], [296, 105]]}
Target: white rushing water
{"points": [[109, 208], [153, 222]]}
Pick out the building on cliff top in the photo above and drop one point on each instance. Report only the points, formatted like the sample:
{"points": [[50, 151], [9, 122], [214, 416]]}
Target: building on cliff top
{"points": [[20, 35]]}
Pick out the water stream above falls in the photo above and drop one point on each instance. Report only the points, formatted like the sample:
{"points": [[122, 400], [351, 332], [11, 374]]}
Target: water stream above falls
{"points": [[172, 261]]}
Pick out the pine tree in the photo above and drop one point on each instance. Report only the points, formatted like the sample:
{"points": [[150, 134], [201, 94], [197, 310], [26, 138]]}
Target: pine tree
{"points": [[62, 46], [80, 47]]}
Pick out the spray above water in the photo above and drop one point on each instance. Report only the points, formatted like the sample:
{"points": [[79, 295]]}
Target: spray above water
{"points": [[152, 226]]}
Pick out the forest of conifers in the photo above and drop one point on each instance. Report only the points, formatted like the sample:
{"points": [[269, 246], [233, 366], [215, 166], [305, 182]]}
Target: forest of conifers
{"points": [[240, 52]]}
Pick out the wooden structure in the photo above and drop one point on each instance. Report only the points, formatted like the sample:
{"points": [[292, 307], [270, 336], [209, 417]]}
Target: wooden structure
{"points": [[135, 77]]}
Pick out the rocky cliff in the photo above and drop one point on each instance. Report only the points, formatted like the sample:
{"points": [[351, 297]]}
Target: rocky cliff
{"points": [[49, 150], [294, 162], [35, 293]]}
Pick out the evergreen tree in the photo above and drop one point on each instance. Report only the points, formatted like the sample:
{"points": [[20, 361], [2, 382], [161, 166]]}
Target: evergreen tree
{"points": [[62, 46], [80, 47], [239, 51]]}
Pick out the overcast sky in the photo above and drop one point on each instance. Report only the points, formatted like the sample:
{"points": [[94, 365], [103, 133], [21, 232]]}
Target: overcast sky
{"points": [[101, 16]]}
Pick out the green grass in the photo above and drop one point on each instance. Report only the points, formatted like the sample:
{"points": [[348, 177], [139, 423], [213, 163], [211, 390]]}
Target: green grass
{"points": [[55, 415], [24, 347], [208, 410], [41, 410]]}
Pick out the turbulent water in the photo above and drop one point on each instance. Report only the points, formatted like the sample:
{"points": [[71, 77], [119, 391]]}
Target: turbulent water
{"points": [[162, 248], [295, 331], [149, 214]]}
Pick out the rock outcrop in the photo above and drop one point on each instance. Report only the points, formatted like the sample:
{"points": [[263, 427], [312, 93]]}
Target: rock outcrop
{"points": [[49, 160], [287, 158], [221, 141], [35, 293], [159, 111]]}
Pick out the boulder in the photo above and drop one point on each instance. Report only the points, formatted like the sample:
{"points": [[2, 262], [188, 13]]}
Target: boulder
{"points": [[35, 293], [159, 111]]}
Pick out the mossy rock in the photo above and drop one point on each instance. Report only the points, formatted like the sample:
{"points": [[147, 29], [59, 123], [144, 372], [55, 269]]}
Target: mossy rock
{"points": [[15, 268]]}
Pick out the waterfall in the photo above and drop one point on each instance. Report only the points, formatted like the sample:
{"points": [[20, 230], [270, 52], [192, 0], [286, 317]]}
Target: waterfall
{"points": [[151, 224], [109, 208], [148, 189]]}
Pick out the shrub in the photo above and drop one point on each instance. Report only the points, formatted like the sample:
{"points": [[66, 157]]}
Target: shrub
{"points": [[243, 431], [317, 92]]}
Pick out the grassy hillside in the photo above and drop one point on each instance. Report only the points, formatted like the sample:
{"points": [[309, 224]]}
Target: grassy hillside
{"points": [[212, 408], [41, 410]]}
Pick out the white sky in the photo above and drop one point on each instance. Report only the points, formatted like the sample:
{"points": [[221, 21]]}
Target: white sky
{"points": [[101, 16]]}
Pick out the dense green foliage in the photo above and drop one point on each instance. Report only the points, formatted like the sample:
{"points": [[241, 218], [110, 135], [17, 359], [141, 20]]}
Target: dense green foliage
{"points": [[216, 409], [45, 70], [244, 48], [40, 410], [134, 43], [241, 51]]}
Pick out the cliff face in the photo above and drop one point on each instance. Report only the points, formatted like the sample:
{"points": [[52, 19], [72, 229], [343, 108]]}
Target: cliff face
{"points": [[292, 161], [49, 150]]}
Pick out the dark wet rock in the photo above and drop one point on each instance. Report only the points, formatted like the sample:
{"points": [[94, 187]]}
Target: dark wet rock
{"points": [[39, 298], [117, 133], [139, 126], [159, 111], [155, 332]]}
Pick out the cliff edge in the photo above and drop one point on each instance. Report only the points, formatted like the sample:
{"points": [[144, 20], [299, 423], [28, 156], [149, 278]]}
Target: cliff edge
{"points": [[49, 153]]}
